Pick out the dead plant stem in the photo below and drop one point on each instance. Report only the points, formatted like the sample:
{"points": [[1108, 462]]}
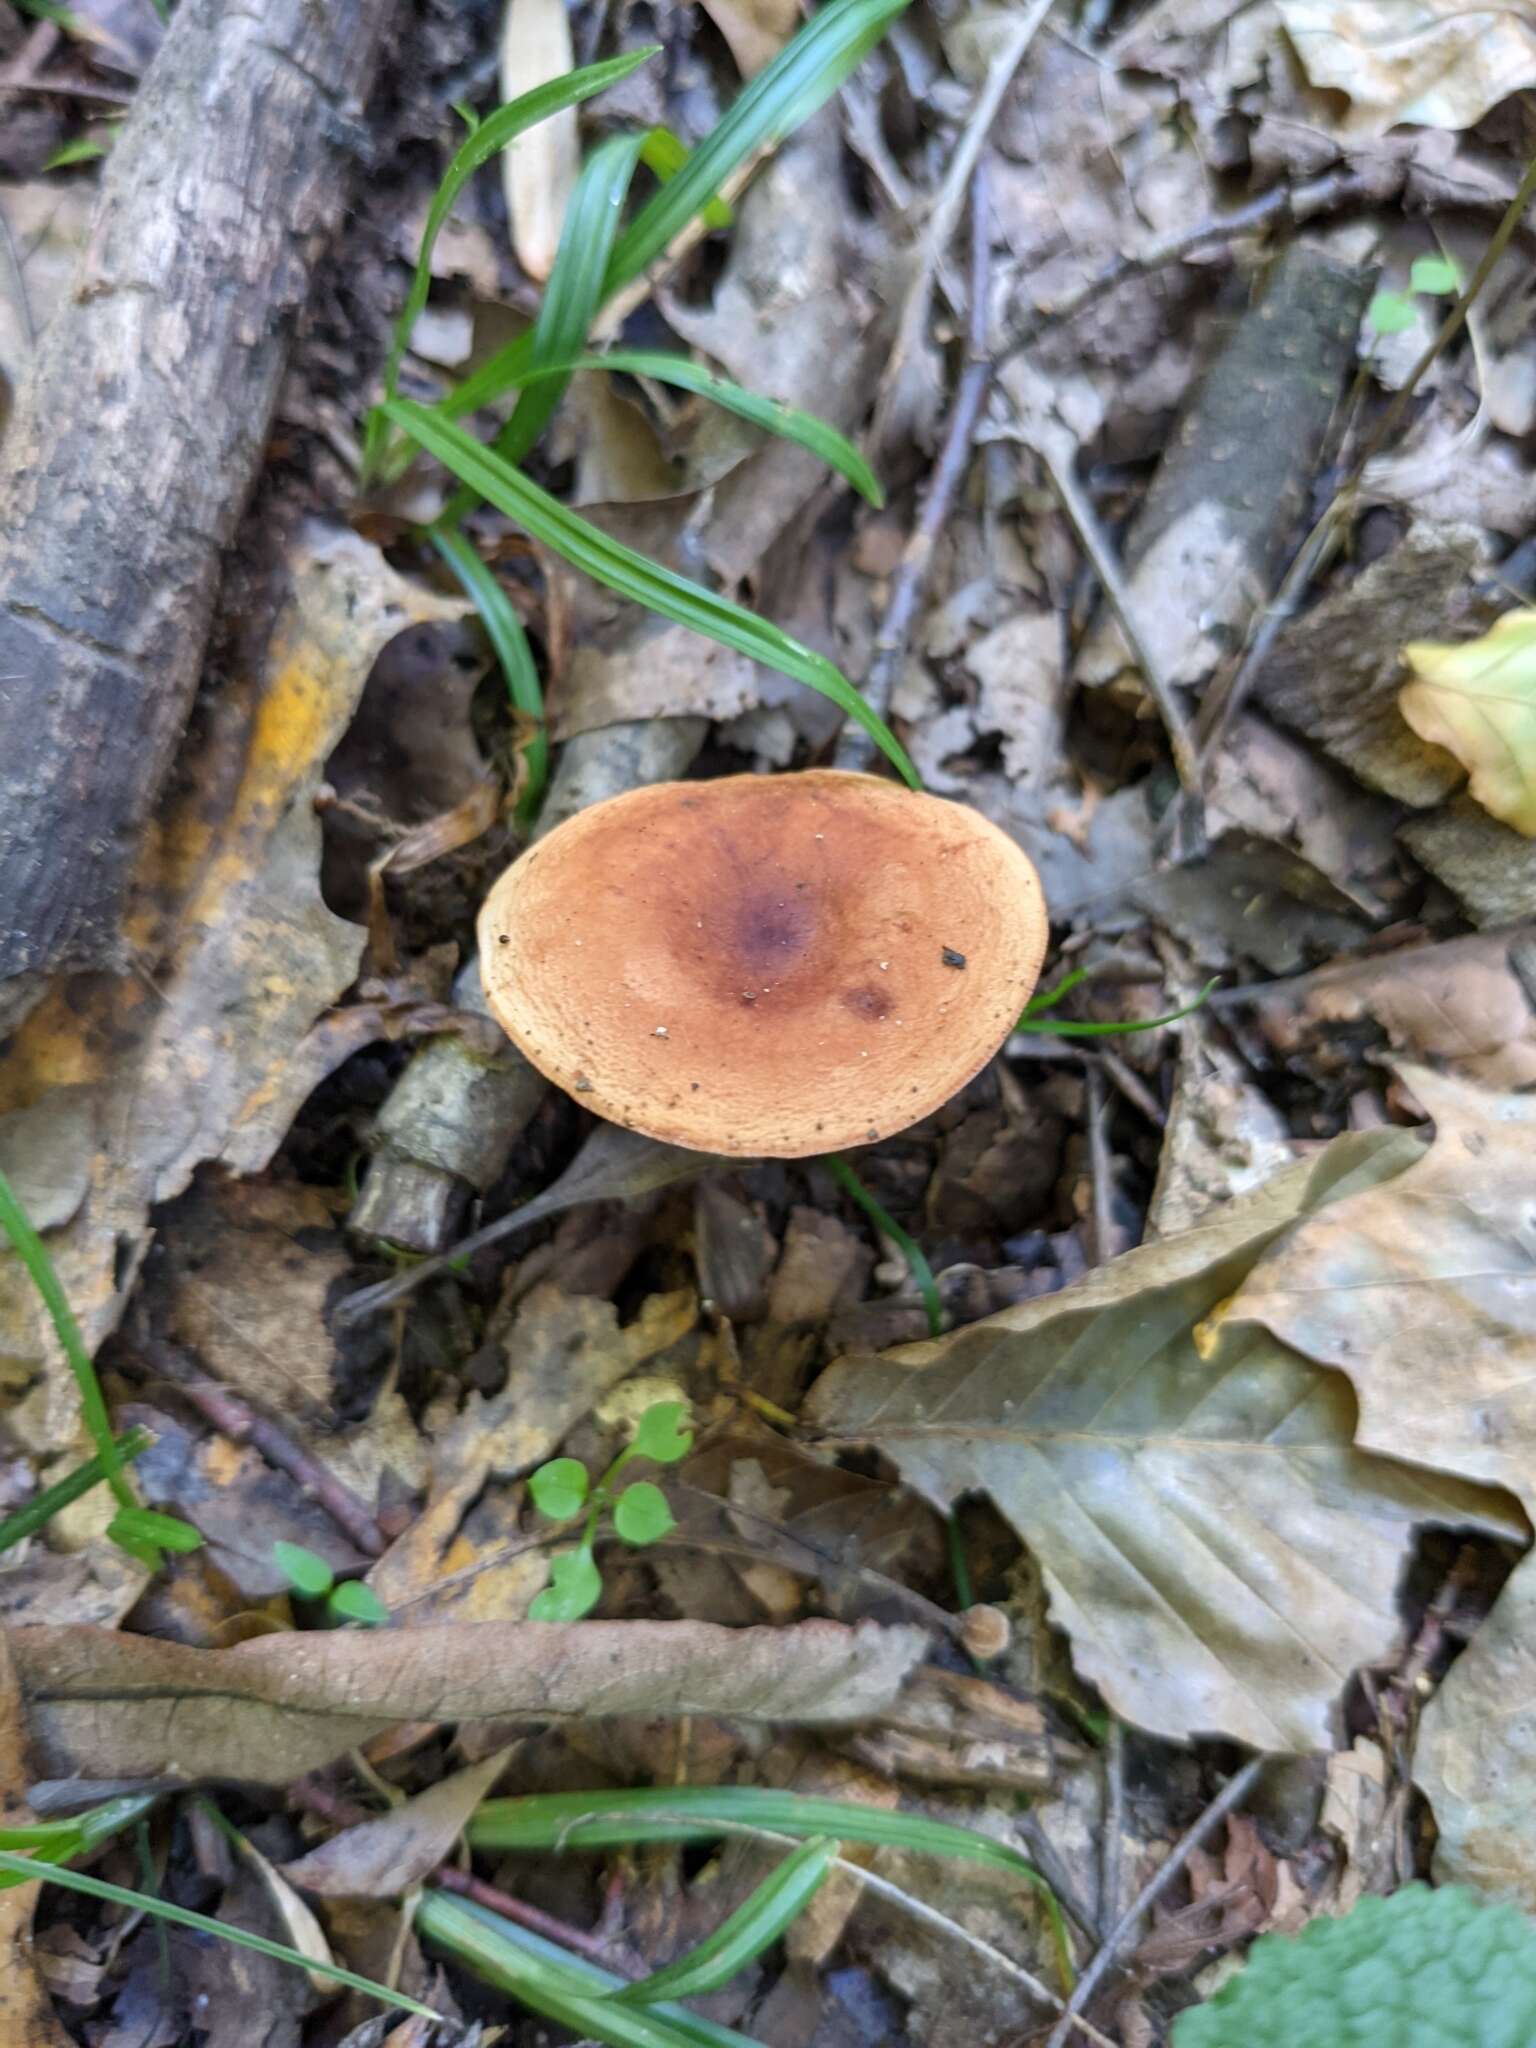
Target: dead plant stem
{"points": [[1236, 1788], [855, 749]]}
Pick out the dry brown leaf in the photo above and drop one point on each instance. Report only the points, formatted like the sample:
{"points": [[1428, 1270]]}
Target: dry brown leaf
{"points": [[118, 1088], [1468, 1005], [540, 166], [1475, 1759], [1423, 1290], [379, 1859], [756, 30], [1431, 63], [26, 2011], [1478, 701], [1219, 1552], [267, 1711]]}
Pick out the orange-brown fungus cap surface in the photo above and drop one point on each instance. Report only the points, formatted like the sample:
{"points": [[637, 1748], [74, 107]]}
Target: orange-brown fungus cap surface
{"points": [[772, 966]]}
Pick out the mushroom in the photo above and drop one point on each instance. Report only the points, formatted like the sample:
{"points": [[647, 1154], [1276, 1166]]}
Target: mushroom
{"points": [[764, 966]]}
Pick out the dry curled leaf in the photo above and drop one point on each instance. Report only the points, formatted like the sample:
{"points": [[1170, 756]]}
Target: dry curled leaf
{"points": [[1478, 701], [1218, 1550], [1432, 63], [379, 1859], [540, 165], [267, 1711]]}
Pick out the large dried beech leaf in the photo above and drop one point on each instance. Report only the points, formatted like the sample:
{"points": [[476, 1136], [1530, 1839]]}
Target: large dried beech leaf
{"points": [[117, 1088], [1434, 63], [269, 1710], [1219, 1552], [1424, 1291], [1478, 701]]}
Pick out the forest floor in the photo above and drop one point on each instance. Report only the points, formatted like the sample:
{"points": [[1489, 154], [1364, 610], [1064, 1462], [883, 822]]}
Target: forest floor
{"points": [[1130, 1462]]}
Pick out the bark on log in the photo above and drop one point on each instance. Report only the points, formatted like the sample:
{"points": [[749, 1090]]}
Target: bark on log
{"points": [[137, 436]]}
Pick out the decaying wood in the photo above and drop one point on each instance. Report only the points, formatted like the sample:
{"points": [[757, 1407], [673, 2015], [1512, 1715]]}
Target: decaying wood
{"points": [[1205, 549], [447, 1130], [137, 436], [121, 1706]]}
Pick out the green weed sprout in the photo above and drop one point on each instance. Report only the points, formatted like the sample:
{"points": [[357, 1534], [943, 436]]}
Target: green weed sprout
{"points": [[311, 1578], [638, 1513]]}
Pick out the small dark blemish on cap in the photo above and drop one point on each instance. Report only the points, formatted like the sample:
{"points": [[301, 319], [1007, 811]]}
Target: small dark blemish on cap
{"points": [[503, 938], [951, 958], [582, 1085]]}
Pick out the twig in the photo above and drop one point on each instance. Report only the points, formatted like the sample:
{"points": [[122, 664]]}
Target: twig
{"points": [[318, 1798], [1101, 556], [1235, 1789], [1100, 1169], [534, 1918], [951, 1929], [1281, 202], [1112, 1847], [855, 749], [941, 222], [233, 1417]]}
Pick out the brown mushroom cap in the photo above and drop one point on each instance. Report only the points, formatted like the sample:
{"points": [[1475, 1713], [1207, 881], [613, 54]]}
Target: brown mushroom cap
{"points": [[765, 965]]}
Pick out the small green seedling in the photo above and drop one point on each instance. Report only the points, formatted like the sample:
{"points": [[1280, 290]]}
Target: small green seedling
{"points": [[563, 1489], [1432, 277], [311, 1578]]}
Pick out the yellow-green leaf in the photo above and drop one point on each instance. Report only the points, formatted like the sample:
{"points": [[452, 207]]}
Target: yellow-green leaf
{"points": [[1478, 701]]}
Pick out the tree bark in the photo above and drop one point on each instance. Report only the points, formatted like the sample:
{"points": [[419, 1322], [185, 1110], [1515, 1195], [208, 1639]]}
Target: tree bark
{"points": [[138, 434]]}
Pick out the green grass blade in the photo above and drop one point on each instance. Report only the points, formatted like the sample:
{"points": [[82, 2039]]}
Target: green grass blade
{"points": [[561, 1987], [1048, 998], [910, 1249], [483, 143], [24, 1868], [1060, 1027], [575, 288], [607, 561], [33, 1253], [743, 1936], [145, 1529], [806, 72], [56, 1841], [701, 1813], [40, 1511], [668, 367], [504, 630]]}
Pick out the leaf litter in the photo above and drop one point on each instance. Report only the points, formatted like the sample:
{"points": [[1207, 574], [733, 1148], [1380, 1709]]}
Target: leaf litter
{"points": [[1256, 1479]]}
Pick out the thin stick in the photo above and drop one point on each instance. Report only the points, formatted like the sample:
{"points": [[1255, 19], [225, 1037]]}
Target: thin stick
{"points": [[534, 1918], [1101, 1169], [235, 1418], [1101, 556], [1235, 1789], [906, 1903], [1112, 1848], [855, 749], [941, 221], [1281, 202]]}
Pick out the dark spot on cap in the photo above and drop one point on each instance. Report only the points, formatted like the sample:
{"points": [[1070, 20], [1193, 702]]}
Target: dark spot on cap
{"points": [[873, 1003], [951, 958], [503, 938]]}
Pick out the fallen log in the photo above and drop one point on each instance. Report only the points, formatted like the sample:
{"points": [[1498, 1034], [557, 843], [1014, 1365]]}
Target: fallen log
{"points": [[137, 435]]}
